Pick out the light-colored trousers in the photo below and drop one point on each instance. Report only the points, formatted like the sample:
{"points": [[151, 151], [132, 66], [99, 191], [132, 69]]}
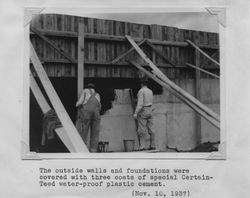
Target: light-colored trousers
{"points": [[145, 125]]}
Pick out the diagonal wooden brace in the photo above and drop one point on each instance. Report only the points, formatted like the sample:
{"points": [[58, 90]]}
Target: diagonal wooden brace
{"points": [[203, 70], [202, 52], [178, 95], [62, 134], [51, 43], [127, 52], [73, 134], [159, 53], [165, 79]]}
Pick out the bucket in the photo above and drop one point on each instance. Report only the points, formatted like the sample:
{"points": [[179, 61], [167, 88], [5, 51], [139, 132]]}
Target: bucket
{"points": [[129, 145]]}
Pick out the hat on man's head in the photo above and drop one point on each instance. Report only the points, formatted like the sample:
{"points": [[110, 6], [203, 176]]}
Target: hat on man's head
{"points": [[90, 86]]}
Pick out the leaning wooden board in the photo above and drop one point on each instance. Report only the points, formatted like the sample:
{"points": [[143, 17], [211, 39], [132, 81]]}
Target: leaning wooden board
{"points": [[158, 72], [45, 108], [57, 104], [181, 97]]}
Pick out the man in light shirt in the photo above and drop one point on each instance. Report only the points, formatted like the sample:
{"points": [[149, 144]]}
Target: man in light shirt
{"points": [[144, 115], [90, 106]]}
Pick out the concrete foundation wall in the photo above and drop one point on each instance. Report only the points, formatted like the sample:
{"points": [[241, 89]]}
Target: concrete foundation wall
{"points": [[174, 122]]}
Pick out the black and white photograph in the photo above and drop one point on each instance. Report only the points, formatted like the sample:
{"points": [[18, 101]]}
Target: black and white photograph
{"points": [[124, 82], [124, 99]]}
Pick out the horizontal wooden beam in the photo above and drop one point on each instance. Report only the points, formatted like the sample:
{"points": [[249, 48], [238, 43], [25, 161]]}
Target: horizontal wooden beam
{"points": [[88, 62], [105, 37], [202, 70], [62, 114], [178, 95], [164, 78]]}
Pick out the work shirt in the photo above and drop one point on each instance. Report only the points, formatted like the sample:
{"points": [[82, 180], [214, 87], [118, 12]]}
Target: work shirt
{"points": [[85, 95], [145, 98]]}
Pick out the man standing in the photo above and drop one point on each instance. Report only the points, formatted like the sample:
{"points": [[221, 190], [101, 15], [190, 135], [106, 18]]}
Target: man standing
{"points": [[143, 114], [90, 106]]}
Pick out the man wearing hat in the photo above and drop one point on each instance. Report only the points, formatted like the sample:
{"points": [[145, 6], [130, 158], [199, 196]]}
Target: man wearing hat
{"points": [[144, 115], [90, 106]]}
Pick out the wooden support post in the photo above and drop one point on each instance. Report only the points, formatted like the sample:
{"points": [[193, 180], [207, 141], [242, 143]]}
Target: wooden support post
{"points": [[198, 96], [80, 60], [45, 108], [178, 95], [163, 77], [74, 136]]}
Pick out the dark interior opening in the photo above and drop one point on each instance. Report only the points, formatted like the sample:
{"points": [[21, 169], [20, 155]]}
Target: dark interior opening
{"points": [[67, 92], [66, 89]]}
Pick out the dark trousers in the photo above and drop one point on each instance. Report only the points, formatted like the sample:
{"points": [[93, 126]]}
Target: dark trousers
{"points": [[91, 121]]}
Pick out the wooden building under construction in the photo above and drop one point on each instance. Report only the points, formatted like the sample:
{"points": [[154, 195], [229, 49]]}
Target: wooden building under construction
{"points": [[77, 50]]}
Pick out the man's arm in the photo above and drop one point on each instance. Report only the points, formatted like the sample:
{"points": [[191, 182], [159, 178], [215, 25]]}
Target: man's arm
{"points": [[99, 100], [139, 103], [81, 99]]}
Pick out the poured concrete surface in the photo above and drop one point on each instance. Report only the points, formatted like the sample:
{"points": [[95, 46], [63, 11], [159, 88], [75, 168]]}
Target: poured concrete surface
{"points": [[174, 122]]}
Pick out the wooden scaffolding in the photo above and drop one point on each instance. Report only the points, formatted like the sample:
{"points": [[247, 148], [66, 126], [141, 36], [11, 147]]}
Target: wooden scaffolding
{"points": [[68, 133]]}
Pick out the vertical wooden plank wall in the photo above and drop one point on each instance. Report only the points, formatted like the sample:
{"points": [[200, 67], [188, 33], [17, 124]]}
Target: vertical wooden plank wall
{"points": [[97, 51], [155, 31]]}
